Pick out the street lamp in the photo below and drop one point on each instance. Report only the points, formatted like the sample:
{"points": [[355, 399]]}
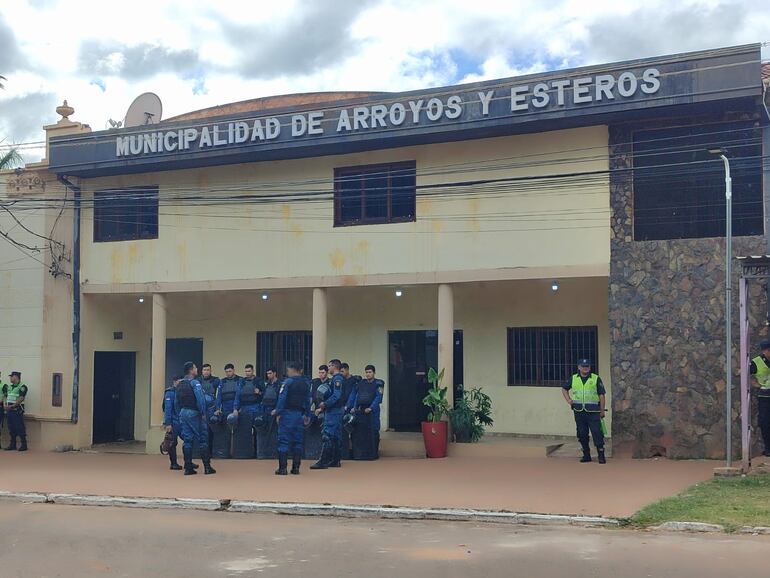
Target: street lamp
{"points": [[722, 153]]}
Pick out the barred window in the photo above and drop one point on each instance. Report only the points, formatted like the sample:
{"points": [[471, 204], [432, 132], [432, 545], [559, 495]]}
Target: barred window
{"points": [[278, 348], [126, 214], [375, 194], [547, 356]]}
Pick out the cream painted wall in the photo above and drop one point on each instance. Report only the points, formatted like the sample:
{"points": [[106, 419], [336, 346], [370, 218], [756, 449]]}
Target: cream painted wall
{"points": [[279, 240], [359, 321]]}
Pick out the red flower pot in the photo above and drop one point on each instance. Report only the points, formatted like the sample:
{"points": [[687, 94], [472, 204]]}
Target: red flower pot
{"points": [[434, 434]]}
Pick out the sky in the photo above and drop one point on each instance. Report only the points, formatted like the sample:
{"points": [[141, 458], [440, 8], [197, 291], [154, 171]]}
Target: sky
{"points": [[100, 55]]}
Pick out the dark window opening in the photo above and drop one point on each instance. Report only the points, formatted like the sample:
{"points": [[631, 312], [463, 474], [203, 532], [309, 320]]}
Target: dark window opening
{"points": [[126, 214], [679, 188], [547, 356], [375, 194], [278, 348]]}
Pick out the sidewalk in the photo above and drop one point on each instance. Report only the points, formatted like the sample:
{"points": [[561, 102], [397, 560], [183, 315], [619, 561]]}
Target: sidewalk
{"points": [[541, 485]]}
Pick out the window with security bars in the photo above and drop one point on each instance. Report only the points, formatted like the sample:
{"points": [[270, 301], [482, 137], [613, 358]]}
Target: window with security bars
{"points": [[679, 187], [547, 356], [126, 214], [373, 194], [278, 348]]}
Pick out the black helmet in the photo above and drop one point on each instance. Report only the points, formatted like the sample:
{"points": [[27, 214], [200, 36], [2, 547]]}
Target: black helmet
{"points": [[260, 421], [232, 420], [215, 419], [323, 392], [349, 422]]}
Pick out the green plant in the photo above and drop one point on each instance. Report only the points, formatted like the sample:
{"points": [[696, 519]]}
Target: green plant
{"points": [[435, 400], [470, 416]]}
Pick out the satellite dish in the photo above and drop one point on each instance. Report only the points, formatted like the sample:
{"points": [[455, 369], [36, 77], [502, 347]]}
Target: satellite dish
{"points": [[146, 109]]}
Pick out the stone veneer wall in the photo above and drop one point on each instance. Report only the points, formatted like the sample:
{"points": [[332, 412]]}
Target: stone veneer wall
{"points": [[666, 324]]}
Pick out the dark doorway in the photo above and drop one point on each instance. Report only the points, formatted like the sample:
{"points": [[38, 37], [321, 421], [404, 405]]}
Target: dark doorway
{"points": [[179, 352], [114, 389], [277, 348], [411, 354]]}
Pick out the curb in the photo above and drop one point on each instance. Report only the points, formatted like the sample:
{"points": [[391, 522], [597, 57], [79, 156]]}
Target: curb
{"points": [[301, 509], [689, 527]]}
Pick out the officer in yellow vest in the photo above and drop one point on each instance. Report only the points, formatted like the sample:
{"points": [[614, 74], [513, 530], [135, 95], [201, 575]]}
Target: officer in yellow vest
{"points": [[585, 395], [13, 401], [760, 369]]}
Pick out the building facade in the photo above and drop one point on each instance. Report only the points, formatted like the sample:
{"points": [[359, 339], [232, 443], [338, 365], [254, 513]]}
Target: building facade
{"points": [[498, 231]]}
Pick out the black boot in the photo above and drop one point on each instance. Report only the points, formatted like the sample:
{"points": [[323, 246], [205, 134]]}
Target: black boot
{"points": [[586, 454], [189, 470], [23, 446], [336, 457], [295, 462], [323, 461], [11, 446], [602, 459], [172, 458], [206, 457], [283, 458]]}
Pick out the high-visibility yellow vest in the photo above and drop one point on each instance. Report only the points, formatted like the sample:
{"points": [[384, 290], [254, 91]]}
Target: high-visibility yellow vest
{"points": [[762, 375], [584, 394]]}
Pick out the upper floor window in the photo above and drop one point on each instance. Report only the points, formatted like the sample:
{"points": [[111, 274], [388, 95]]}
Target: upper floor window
{"points": [[679, 188], [125, 214], [375, 194]]}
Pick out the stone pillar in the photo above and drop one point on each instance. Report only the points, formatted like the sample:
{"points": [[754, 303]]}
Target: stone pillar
{"points": [[157, 373], [319, 329], [446, 338]]}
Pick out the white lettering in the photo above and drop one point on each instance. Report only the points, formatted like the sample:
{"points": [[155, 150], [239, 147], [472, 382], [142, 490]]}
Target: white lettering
{"points": [[298, 125], [344, 121], [360, 114], [218, 141], [205, 138], [314, 123], [519, 98], [241, 132], [121, 146], [627, 84], [604, 85], [485, 98], [190, 135], [136, 144], [150, 143], [397, 114], [272, 128], [159, 140], [581, 91], [454, 107], [434, 109], [378, 115], [167, 141], [541, 98], [415, 107], [256, 131], [651, 81], [560, 85]]}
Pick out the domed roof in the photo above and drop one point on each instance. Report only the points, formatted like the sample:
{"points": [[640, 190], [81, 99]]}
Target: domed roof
{"points": [[271, 102]]}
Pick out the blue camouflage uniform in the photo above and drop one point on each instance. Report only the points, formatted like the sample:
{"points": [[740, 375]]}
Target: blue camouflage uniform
{"points": [[247, 401], [190, 406], [171, 418], [368, 395], [210, 388], [333, 411], [226, 393], [293, 407]]}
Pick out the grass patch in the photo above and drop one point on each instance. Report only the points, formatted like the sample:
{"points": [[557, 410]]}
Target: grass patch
{"points": [[731, 502]]}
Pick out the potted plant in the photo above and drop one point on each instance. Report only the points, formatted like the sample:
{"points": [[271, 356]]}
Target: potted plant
{"points": [[434, 431], [471, 414]]}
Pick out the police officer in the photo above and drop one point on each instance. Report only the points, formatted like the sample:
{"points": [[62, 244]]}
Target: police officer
{"points": [[2, 408], [313, 435], [190, 405], [225, 405], [13, 402], [585, 395], [293, 414], [760, 369], [267, 434], [209, 384], [248, 404], [348, 395], [366, 403], [171, 421], [331, 448]]}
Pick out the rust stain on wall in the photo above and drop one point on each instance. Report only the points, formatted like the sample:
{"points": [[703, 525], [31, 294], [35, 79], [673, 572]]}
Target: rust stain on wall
{"points": [[286, 211], [116, 264], [337, 260]]}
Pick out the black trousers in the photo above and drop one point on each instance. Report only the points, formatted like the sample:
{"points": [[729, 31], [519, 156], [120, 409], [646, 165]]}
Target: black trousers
{"points": [[589, 421], [764, 421], [16, 424]]}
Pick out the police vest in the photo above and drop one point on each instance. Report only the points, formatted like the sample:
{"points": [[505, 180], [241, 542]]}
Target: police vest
{"points": [[270, 397], [209, 386], [228, 387], [248, 396], [297, 389], [763, 376], [347, 387], [337, 381], [585, 394], [185, 395], [13, 392], [367, 391]]}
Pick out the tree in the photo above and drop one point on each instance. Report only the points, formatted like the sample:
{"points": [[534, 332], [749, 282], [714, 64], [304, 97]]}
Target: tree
{"points": [[2, 78], [10, 159]]}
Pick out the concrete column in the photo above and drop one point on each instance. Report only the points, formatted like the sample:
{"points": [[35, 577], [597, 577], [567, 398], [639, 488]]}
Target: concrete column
{"points": [[319, 329], [446, 338], [157, 373]]}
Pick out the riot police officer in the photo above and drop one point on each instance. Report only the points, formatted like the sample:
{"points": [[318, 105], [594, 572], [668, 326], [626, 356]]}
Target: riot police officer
{"points": [[225, 405], [585, 394], [13, 403], [171, 422], [190, 405], [348, 395], [293, 414], [209, 384], [760, 369], [267, 433], [331, 407], [366, 406], [313, 434], [248, 404]]}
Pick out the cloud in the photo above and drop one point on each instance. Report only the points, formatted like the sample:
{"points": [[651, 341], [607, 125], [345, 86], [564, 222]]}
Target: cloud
{"points": [[27, 114], [316, 36], [133, 62], [11, 58]]}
